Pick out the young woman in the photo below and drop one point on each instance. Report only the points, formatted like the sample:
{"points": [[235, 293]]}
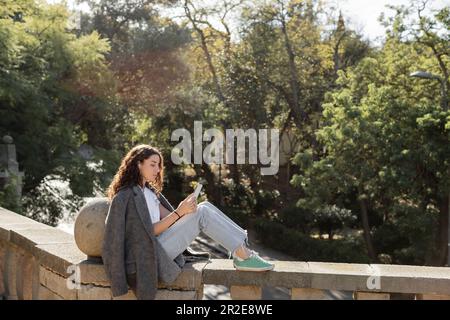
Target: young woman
{"points": [[145, 237]]}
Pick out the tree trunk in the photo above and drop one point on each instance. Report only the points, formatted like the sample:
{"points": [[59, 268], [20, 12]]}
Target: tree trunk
{"points": [[298, 113], [206, 52], [443, 231], [366, 230]]}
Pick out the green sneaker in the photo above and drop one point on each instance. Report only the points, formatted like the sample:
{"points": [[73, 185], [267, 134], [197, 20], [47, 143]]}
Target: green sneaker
{"points": [[252, 263]]}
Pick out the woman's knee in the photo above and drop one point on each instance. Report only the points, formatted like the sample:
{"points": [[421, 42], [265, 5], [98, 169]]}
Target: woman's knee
{"points": [[202, 205], [202, 214], [204, 208], [205, 204]]}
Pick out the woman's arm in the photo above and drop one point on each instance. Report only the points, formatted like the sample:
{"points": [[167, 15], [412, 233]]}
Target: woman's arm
{"points": [[163, 212], [186, 206], [164, 224]]}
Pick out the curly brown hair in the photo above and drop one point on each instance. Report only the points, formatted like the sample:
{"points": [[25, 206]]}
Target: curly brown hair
{"points": [[128, 173]]}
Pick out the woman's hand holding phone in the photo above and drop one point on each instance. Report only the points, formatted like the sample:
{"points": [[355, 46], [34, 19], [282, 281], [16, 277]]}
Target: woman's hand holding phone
{"points": [[188, 205]]}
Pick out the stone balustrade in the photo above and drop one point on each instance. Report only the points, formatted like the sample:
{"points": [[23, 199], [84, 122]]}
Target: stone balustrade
{"points": [[311, 280], [41, 262]]}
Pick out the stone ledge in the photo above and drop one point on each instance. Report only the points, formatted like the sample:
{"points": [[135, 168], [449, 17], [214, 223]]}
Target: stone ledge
{"points": [[190, 278], [5, 229], [285, 274], [414, 279], [58, 257], [28, 239], [339, 276], [13, 221], [55, 251], [7, 216], [334, 276]]}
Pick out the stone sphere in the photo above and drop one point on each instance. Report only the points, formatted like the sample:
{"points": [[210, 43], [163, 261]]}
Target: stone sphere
{"points": [[89, 227]]}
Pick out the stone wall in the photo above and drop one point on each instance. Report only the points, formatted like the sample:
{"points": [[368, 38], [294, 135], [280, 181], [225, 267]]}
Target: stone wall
{"points": [[312, 280], [40, 262]]}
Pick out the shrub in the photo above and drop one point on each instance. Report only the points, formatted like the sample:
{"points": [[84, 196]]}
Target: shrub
{"points": [[305, 248], [296, 218]]}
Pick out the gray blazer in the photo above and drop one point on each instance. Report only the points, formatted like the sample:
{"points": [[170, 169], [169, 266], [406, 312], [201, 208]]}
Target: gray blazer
{"points": [[130, 246]]}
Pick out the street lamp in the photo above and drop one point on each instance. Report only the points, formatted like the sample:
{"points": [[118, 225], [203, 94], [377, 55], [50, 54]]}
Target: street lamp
{"points": [[444, 105]]}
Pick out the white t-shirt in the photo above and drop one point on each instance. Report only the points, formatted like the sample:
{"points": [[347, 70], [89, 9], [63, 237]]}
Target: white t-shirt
{"points": [[152, 204]]}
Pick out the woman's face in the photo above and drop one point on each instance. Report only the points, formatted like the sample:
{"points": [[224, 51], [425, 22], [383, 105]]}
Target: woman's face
{"points": [[149, 168]]}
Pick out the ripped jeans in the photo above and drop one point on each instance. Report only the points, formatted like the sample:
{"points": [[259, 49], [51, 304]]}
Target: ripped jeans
{"points": [[208, 219]]}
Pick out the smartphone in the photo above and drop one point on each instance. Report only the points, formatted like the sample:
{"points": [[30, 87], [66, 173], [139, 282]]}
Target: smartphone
{"points": [[197, 190]]}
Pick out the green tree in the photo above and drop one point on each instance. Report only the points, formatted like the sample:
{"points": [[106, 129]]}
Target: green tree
{"points": [[386, 138], [49, 76]]}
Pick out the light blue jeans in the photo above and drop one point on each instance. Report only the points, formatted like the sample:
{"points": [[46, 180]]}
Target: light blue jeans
{"points": [[208, 219]]}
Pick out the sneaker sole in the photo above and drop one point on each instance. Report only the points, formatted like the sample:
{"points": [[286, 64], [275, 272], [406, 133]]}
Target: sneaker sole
{"points": [[253, 269]]}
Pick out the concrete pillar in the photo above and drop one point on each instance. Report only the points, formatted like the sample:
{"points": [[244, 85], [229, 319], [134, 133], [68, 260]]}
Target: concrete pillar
{"points": [[20, 276], [307, 294], [371, 296], [246, 292], [27, 281], [11, 273], [199, 295], [432, 297]]}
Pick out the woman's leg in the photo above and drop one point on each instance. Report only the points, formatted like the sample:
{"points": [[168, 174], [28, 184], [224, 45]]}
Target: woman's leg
{"points": [[241, 251], [217, 210], [209, 219]]}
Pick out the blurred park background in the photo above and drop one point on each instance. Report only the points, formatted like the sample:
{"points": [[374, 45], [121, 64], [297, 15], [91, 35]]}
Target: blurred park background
{"points": [[364, 123]]}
